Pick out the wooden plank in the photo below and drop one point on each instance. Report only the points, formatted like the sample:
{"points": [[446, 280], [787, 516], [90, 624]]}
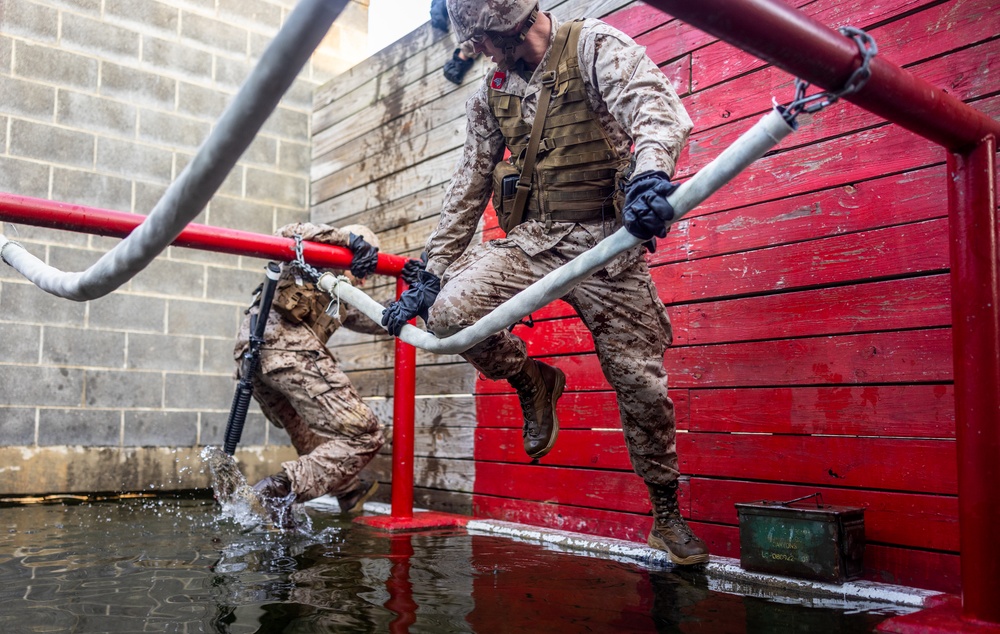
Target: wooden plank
{"points": [[894, 251], [419, 205], [637, 18], [721, 61], [615, 490], [919, 466], [598, 522], [585, 448], [432, 413], [439, 442], [862, 206], [918, 356], [915, 411], [900, 519], [451, 379], [576, 410], [920, 302], [430, 473]]}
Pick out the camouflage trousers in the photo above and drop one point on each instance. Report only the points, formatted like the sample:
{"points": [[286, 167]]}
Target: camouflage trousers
{"points": [[628, 322], [334, 432]]}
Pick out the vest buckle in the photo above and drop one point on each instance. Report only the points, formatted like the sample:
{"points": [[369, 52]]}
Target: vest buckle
{"points": [[549, 78]]}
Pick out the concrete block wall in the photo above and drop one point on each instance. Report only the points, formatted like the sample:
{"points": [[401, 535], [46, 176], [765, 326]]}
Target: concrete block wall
{"points": [[103, 103]]}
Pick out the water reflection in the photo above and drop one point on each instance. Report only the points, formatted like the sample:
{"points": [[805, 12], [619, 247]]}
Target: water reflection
{"points": [[176, 566]]}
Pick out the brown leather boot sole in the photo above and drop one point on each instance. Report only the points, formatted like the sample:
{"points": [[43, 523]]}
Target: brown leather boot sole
{"points": [[655, 541], [557, 391]]}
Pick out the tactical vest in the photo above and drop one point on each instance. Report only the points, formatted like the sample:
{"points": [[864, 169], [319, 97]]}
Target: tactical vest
{"points": [[300, 302], [576, 170]]}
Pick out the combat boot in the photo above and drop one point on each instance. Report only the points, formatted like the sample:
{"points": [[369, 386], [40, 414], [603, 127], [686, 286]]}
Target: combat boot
{"points": [[354, 500], [670, 532], [538, 387]]}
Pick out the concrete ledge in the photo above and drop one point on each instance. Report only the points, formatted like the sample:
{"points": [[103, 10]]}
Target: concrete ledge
{"points": [[724, 573], [47, 470]]}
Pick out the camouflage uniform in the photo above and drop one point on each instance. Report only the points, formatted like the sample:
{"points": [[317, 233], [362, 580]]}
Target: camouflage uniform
{"points": [[301, 388], [619, 304]]}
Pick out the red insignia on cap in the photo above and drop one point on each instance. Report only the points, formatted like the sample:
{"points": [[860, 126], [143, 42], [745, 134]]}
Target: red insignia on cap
{"points": [[499, 79]]}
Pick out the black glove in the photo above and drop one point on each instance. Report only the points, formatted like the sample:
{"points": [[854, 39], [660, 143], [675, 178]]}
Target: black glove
{"points": [[439, 15], [412, 269], [365, 257], [647, 210], [274, 487], [456, 67], [414, 302]]}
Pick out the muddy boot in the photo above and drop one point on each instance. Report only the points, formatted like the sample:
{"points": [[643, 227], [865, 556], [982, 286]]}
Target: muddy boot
{"points": [[670, 532], [538, 387], [354, 500]]}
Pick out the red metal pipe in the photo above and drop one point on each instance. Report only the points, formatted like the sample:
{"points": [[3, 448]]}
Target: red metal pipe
{"points": [[806, 48], [104, 222], [975, 283], [404, 415]]}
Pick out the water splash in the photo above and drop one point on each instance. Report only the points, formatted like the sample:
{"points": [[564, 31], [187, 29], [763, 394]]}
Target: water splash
{"points": [[242, 504]]}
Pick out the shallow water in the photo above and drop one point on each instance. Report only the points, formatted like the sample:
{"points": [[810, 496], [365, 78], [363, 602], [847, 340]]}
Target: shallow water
{"points": [[169, 565]]}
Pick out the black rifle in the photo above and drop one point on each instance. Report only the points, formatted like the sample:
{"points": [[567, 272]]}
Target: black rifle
{"points": [[251, 361]]}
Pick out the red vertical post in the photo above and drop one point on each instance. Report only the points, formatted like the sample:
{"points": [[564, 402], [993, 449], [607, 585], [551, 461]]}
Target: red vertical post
{"points": [[404, 413], [975, 283]]}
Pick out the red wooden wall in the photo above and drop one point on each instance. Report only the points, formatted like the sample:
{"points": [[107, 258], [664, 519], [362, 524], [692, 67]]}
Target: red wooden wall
{"points": [[811, 308]]}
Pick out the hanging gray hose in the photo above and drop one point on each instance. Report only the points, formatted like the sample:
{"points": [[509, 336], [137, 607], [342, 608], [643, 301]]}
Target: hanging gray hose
{"points": [[753, 144], [281, 62]]}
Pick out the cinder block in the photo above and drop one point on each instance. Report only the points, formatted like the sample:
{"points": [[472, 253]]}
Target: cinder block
{"points": [[175, 59], [27, 99], [147, 16], [62, 68], [171, 278], [25, 178], [198, 392], [163, 352], [135, 160], [294, 157], [95, 190], [254, 14], [231, 73], [137, 86], [79, 347], [72, 259], [51, 144], [91, 113], [17, 427], [213, 428], [48, 386], [99, 38], [144, 314], [235, 285], [108, 388], [30, 20], [277, 436], [171, 130], [287, 124], [21, 342], [218, 355], [147, 195], [83, 6], [201, 318], [5, 57], [199, 101], [86, 427], [241, 214], [263, 151], [160, 429], [215, 34], [29, 304], [282, 189]]}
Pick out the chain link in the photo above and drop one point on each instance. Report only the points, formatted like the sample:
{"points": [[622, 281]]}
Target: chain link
{"points": [[300, 261], [814, 103]]}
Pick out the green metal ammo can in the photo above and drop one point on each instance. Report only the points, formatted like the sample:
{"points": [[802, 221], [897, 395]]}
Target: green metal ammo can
{"points": [[804, 540]]}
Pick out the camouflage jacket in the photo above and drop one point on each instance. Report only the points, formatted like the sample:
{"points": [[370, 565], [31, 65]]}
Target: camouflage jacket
{"points": [[634, 103]]}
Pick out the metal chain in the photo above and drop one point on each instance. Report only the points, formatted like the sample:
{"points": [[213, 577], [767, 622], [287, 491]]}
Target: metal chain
{"points": [[300, 261], [814, 103]]}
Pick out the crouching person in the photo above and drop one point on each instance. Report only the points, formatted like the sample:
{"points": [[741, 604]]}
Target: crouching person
{"points": [[300, 386]]}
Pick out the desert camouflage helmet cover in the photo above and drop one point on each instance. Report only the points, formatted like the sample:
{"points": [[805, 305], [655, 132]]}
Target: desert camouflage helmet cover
{"points": [[364, 232], [475, 17]]}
